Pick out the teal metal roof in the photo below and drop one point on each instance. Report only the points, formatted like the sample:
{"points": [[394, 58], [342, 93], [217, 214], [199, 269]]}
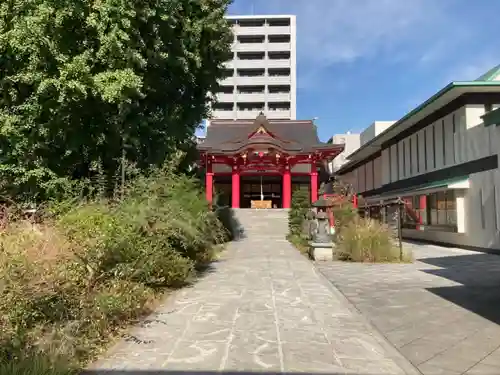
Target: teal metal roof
{"points": [[489, 79], [490, 75], [440, 184]]}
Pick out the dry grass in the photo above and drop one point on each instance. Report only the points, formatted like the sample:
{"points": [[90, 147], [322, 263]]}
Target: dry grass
{"points": [[73, 283], [366, 240]]}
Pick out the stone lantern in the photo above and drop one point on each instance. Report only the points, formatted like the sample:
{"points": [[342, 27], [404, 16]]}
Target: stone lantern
{"points": [[321, 245]]}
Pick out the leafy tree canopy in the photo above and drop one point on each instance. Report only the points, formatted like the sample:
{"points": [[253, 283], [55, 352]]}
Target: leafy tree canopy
{"points": [[85, 83]]}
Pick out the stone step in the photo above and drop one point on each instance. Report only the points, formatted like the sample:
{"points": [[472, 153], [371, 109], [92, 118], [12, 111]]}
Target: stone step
{"points": [[271, 223]]}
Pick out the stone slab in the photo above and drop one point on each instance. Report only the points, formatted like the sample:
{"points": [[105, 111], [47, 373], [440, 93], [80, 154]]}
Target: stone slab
{"points": [[441, 312], [321, 251], [263, 307]]}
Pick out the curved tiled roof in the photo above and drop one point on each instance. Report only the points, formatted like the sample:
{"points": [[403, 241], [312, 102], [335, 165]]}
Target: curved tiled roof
{"points": [[294, 136]]}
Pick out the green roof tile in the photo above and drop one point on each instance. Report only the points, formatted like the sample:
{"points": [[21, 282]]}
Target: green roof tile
{"points": [[491, 74]]}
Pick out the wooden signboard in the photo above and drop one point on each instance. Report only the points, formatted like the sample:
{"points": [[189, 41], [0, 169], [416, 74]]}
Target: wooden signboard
{"points": [[261, 204]]}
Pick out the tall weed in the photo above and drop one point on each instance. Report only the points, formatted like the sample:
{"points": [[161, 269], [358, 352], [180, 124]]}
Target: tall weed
{"points": [[69, 284], [366, 240]]}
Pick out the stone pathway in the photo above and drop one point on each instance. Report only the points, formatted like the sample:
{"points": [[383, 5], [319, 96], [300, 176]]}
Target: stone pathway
{"points": [[442, 312], [265, 308]]}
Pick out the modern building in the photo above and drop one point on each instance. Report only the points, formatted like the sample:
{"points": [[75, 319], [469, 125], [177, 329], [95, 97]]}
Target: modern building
{"points": [[261, 77], [442, 160], [257, 163], [374, 129], [351, 142]]}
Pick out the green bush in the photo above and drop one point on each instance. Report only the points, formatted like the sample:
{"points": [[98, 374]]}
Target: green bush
{"points": [[35, 365], [301, 203], [71, 282], [343, 214], [366, 240]]}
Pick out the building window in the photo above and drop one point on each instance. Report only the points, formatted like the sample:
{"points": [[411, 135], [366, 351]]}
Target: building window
{"points": [[409, 213], [432, 202], [443, 210], [441, 207], [443, 136], [451, 208]]}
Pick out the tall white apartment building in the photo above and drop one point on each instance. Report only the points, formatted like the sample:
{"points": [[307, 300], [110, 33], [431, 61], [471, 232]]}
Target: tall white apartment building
{"points": [[261, 77]]}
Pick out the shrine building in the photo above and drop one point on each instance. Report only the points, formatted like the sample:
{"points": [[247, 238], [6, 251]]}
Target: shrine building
{"points": [[258, 163]]}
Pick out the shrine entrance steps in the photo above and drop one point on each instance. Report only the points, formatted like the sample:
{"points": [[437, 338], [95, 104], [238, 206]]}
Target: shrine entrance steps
{"points": [[267, 223]]}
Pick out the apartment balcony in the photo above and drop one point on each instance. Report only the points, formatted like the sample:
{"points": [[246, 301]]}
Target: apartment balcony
{"points": [[229, 64], [278, 63], [279, 97], [278, 30], [248, 114], [249, 30], [250, 81], [261, 64], [251, 64], [278, 114], [251, 47], [261, 30], [229, 81], [251, 97], [223, 115], [279, 80], [225, 97], [278, 46]]}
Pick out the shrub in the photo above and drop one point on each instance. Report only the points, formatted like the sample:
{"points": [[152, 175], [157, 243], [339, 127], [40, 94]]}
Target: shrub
{"points": [[173, 209], [35, 365], [366, 240], [301, 203], [344, 214], [70, 283]]}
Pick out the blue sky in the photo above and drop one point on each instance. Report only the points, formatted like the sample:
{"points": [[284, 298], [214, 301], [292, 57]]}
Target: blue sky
{"points": [[364, 60]]}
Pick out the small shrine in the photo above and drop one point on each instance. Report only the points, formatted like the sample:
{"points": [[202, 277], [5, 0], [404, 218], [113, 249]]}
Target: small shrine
{"points": [[257, 163]]}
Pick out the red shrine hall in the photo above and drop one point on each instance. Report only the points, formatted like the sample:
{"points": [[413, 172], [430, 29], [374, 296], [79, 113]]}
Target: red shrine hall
{"points": [[257, 163]]}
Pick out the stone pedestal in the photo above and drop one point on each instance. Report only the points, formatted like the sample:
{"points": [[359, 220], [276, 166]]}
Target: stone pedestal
{"points": [[321, 251]]}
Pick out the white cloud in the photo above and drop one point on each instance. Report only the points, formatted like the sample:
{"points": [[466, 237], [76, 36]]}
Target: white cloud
{"points": [[343, 31]]}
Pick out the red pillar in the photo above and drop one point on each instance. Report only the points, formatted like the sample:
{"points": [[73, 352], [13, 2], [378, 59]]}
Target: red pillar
{"points": [[209, 185], [235, 185], [355, 201], [287, 188], [314, 185], [423, 210]]}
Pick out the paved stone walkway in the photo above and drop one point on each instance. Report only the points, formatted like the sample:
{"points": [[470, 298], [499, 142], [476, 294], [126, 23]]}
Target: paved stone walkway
{"points": [[442, 312], [265, 308]]}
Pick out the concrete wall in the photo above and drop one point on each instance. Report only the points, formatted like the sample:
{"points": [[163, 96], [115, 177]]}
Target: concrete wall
{"points": [[456, 138], [375, 129], [351, 143], [437, 146]]}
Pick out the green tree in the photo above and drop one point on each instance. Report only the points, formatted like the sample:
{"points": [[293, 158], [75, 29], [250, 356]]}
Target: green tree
{"points": [[301, 203], [88, 84]]}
